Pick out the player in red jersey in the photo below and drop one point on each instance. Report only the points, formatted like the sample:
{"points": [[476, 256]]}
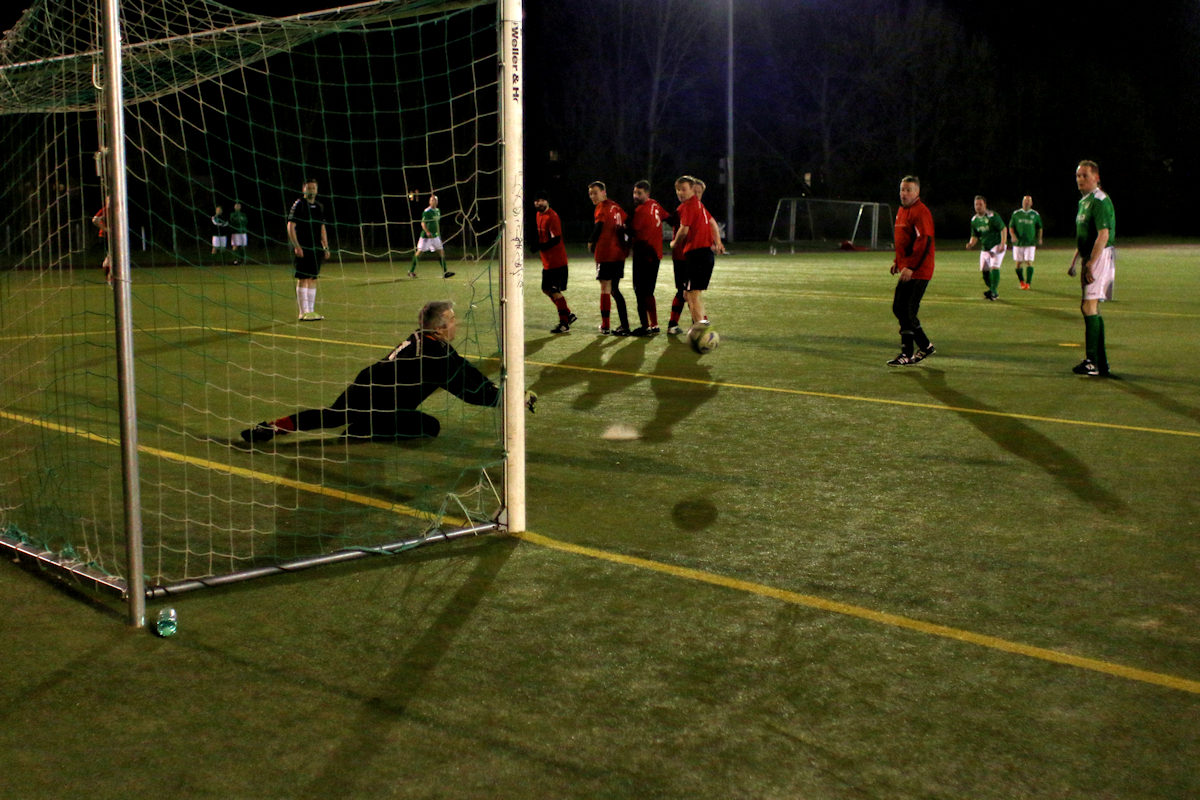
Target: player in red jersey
{"points": [[607, 244], [701, 238], [648, 218], [914, 266], [554, 260], [100, 220]]}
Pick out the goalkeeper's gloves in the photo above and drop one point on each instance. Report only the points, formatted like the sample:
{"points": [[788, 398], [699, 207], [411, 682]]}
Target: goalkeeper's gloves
{"points": [[531, 402]]}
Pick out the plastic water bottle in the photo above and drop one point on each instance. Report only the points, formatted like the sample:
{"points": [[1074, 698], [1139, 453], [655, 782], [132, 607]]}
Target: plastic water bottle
{"points": [[167, 622]]}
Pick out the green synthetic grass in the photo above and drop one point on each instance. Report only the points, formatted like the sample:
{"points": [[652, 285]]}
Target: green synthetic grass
{"points": [[810, 575]]}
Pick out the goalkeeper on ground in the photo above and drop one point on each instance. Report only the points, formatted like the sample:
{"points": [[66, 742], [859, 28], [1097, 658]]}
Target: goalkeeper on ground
{"points": [[382, 401]]}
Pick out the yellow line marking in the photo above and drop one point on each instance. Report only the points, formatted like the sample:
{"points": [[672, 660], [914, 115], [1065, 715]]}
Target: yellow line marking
{"points": [[881, 617], [241, 472], [879, 400], [686, 573], [752, 387]]}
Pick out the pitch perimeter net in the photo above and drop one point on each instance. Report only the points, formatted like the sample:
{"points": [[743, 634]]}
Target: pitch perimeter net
{"points": [[383, 104]]}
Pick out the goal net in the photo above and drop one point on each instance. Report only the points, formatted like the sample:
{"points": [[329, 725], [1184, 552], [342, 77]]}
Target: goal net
{"points": [[851, 224], [381, 104]]}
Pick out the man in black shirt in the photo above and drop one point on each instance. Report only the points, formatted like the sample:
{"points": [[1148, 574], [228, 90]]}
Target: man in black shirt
{"points": [[310, 247], [382, 401]]}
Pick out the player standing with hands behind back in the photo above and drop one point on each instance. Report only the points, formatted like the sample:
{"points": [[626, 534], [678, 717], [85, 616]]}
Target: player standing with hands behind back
{"points": [[1095, 233], [914, 266], [306, 229]]}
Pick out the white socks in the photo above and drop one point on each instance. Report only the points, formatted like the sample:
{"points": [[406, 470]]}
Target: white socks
{"points": [[306, 299]]}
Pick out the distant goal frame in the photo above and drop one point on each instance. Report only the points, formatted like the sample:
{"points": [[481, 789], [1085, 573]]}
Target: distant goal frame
{"points": [[794, 215]]}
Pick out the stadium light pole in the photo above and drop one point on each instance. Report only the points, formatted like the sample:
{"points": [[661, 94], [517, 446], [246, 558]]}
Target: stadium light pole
{"points": [[729, 128]]}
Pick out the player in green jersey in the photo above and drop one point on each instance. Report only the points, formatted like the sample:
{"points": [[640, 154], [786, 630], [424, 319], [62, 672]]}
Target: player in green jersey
{"points": [[1025, 228], [991, 234], [1095, 234], [431, 237], [239, 223]]}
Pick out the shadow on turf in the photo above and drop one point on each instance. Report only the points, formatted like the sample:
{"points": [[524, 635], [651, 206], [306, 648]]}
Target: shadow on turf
{"points": [[681, 383], [588, 366], [1163, 401], [369, 737], [1022, 441]]}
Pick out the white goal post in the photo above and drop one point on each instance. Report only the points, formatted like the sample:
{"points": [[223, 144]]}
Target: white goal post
{"points": [[808, 219]]}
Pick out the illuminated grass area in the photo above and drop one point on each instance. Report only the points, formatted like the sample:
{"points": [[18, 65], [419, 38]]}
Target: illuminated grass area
{"points": [[803, 574]]}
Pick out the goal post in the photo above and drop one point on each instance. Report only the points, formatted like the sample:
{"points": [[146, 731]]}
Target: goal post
{"points": [[851, 223], [154, 375]]}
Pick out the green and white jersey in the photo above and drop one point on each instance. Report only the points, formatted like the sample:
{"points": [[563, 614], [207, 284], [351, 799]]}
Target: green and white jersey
{"points": [[239, 222], [1027, 224], [432, 217], [1095, 214], [987, 229]]}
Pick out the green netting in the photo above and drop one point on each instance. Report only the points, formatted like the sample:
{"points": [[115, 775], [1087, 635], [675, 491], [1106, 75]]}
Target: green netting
{"points": [[381, 103]]}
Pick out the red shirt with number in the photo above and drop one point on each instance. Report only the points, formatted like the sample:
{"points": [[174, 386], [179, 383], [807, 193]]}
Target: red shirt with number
{"points": [[914, 240], [608, 246], [696, 218], [549, 226], [647, 224]]}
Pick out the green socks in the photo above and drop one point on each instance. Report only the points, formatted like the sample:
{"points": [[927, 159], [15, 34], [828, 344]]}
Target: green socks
{"points": [[1093, 329]]}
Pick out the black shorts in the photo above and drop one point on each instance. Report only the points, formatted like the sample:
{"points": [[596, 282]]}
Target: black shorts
{"points": [[309, 264], [610, 270], [554, 280], [681, 273], [645, 270], [699, 268]]}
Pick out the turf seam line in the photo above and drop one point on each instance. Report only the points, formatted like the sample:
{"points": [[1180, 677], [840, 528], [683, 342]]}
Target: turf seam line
{"points": [[881, 617]]}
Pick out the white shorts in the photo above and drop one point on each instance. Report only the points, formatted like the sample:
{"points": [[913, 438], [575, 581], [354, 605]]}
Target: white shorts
{"points": [[1024, 253], [990, 259], [220, 241], [239, 240], [427, 245], [1103, 273]]}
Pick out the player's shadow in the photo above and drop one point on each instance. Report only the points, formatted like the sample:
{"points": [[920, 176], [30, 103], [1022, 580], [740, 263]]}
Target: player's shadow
{"points": [[1022, 441], [535, 345], [367, 738], [681, 382], [588, 366], [1163, 401]]}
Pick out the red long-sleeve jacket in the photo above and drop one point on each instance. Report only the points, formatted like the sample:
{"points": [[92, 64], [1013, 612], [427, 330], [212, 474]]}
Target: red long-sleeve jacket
{"points": [[914, 240]]}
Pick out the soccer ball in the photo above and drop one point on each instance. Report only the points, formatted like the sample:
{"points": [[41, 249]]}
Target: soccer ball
{"points": [[703, 339]]}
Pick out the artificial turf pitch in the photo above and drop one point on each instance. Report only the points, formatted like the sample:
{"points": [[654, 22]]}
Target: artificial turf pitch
{"points": [[804, 574]]}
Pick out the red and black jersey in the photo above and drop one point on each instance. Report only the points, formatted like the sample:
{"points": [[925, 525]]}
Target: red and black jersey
{"points": [[696, 218], [608, 245], [914, 240], [549, 226], [412, 371], [648, 225]]}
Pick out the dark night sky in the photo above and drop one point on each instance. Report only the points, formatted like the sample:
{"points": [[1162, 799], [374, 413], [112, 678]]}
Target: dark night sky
{"points": [[1153, 48]]}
